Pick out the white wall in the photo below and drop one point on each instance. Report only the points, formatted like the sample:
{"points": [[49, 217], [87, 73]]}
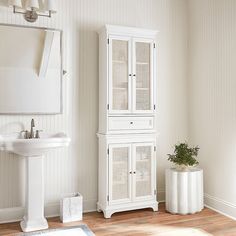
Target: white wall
{"points": [[75, 169], [212, 94]]}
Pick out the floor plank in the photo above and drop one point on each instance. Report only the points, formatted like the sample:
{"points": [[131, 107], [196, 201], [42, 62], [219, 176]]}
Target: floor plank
{"points": [[146, 222]]}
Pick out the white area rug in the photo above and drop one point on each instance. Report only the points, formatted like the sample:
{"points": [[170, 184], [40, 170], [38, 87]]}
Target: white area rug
{"points": [[81, 230]]}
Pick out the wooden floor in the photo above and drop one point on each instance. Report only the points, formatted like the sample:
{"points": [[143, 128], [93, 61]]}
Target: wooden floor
{"points": [[146, 222]]}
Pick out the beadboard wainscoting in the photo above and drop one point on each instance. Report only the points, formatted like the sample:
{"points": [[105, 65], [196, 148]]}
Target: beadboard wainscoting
{"points": [[76, 168]]}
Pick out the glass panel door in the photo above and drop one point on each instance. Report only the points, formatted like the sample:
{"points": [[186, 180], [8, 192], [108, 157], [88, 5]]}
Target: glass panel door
{"points": [[143, 76], [144, 167], [119, 72], [120, 173]]}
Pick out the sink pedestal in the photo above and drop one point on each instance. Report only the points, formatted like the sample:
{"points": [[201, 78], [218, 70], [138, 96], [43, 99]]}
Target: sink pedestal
{"points": [[33, 150], [34, 204]]}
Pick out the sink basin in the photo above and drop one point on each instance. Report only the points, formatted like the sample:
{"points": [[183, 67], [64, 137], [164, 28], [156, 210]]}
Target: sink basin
{"points": [[15, 143], [33, 150]]}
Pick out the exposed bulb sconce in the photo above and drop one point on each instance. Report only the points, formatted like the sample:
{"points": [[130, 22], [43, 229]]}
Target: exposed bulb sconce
{"points": [[32, 9]]}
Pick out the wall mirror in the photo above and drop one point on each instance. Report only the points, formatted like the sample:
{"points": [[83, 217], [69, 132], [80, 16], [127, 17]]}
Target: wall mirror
{"points": [[30, 70]]}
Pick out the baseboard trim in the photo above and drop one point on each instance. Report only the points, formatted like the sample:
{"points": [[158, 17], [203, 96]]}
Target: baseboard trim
{"points": [[15, 214], [216, 204], [8, 215]]}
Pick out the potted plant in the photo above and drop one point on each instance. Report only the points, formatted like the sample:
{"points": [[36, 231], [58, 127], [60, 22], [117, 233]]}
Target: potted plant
{"points": [[184, 156]]}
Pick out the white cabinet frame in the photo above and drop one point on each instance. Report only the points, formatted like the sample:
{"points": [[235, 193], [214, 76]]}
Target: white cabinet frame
{"points": [[127, 127]]}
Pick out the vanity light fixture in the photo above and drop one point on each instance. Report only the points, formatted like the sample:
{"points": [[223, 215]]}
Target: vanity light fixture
{"points": [[32, 9]]}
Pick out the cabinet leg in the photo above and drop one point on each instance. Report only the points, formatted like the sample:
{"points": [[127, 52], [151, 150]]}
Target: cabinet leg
{"points": [[107, 214], [155, 207], [99, 210]]}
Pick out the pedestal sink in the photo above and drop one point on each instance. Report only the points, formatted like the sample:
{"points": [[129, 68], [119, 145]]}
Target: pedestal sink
{"points": [[33, 150]]}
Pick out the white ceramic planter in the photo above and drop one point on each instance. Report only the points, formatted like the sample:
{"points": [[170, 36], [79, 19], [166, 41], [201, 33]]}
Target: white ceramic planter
{"points": [[184, 191]]}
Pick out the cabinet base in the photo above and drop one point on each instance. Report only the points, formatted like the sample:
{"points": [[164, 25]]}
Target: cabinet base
{"points": [[109, 210]]}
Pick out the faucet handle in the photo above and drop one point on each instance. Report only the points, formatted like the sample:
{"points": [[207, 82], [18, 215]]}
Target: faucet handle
{"points": [[26, 136], [37, 133]]}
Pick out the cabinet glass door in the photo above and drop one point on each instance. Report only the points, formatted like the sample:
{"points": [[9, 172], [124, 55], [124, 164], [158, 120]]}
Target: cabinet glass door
{"points": [[119, 173], [119, 71], [143, 75], [144, 167]]}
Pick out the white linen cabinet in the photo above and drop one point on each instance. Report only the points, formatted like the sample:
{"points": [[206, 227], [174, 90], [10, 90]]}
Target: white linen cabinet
{"points": [[127, 130]]}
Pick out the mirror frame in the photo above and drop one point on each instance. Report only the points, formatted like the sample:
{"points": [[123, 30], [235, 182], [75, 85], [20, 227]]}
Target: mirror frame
{"points": [[61, 72]]}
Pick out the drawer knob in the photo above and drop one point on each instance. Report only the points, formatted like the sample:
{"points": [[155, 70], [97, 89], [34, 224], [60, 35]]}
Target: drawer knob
{"points": [[131, 122]]}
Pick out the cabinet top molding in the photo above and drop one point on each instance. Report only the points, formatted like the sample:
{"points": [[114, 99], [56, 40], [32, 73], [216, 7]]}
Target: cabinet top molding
{"points": [[133, 31]]}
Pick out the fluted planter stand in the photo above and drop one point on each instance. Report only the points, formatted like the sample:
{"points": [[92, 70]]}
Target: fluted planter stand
{"points": [[184, 191]]}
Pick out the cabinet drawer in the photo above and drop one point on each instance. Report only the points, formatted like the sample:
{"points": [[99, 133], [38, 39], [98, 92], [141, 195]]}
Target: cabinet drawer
{"points": [[130, 123]]}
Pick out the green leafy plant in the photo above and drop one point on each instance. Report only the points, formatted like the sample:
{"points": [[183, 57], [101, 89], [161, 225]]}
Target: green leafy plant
{"points": [[184, 155]]}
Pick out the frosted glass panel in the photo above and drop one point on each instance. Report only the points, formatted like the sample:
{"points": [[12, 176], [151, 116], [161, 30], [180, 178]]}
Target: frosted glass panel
{"points": [[143, 171], [143, 85], [120, 167], [120, 101], [120, 74], [142, 99], [119, 50], [142, 52]]}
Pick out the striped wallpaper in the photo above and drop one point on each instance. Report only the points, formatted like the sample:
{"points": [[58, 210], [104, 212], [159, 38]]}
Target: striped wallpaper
{"points": [[75, 168], [212, 97]]}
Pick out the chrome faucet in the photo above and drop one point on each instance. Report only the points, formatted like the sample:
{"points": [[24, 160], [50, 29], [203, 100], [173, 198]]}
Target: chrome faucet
{"points": [[31, 135]]}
